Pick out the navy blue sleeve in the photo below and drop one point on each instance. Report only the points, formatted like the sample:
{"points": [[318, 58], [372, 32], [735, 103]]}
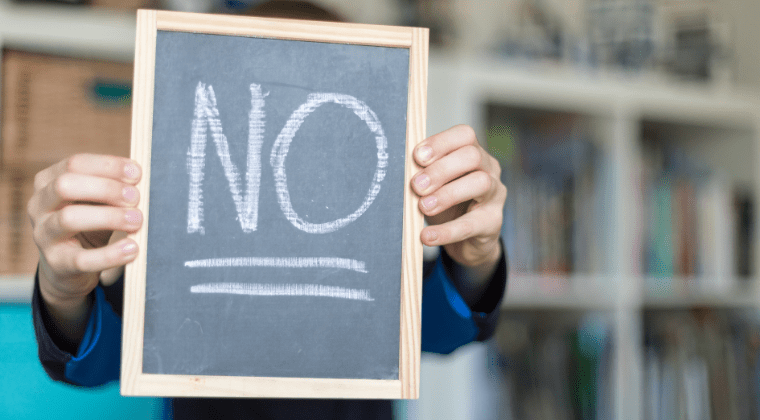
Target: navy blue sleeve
{"points": [[447, 324], [447, 321], [96, 360]]}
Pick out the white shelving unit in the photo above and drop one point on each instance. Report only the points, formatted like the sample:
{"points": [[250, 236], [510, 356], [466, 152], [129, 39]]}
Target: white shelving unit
{"points": [[68, 30], [459, 86]]}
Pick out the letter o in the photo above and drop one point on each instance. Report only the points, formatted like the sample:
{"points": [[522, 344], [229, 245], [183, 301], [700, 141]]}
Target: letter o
{"points": [[282, 144]]}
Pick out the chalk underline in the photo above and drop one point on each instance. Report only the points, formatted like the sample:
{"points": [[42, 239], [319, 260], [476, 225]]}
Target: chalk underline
{"points": [[287, 262], [260, 289]]}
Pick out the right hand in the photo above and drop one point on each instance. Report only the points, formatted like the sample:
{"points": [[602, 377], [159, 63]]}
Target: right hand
{"points": [[77, 205]]}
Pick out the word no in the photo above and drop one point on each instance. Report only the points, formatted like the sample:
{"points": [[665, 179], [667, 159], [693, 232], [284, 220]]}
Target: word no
{"points": [[206, 117]]}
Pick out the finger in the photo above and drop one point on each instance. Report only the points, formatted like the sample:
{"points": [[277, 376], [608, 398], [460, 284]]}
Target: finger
{"points": [[109, 277], [477, 186], [439, 145], [450, 167], [481, 225], [71, 259], [103, 166], [70, 220], [73, 188]]}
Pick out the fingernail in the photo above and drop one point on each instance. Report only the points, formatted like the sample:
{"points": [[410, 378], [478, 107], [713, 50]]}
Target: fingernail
{"points": [[129, 194], [424, 153], [129, 248], [131, 171], [431, 236], [133, 217], [422, 181], [429, 202]]}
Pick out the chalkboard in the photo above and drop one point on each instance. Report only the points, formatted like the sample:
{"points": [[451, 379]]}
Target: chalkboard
{"points": [[280, 255]]}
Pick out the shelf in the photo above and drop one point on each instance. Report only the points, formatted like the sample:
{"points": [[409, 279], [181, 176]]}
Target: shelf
{"points": [[68, 30], [537, 291], [680, 293], [597, 92], [575, 292]]}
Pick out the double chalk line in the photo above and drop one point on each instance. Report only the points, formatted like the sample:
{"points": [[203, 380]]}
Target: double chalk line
{"points": [[287, 262], [258, 289]]}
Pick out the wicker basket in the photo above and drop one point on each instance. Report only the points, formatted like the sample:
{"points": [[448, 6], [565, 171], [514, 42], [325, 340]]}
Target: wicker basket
{"points": [[54, 107], [18, 253]]}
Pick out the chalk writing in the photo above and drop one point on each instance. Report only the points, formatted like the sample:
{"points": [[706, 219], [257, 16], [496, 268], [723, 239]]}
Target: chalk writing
{"points": [[280, 152], [257, 289], [294, 262], [206, 117]]}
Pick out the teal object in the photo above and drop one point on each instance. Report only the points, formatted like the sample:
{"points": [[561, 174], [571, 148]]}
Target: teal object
{"points": [[111, 92], [26, 392]]}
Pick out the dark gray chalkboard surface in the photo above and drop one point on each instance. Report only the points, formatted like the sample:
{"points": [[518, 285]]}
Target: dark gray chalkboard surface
{"points": [[276, 204], [332, 163]]}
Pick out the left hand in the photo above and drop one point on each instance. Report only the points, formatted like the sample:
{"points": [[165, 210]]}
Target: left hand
{"points": [[461, 196]]}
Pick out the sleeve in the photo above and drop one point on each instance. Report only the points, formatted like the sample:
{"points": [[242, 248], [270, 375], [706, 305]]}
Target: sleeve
{"points": [[447, 321], [96, 360]]}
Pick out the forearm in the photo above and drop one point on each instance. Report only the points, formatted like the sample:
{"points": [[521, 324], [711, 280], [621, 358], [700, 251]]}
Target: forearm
{"points": [[472, 281], [66, 317]]}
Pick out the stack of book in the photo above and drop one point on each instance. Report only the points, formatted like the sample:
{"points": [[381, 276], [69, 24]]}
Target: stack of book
{"points": [[702, 364], [552, 370], [556, 178], [696, 223]]}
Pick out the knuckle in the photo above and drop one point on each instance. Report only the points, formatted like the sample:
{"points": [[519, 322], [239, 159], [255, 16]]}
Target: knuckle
{"points": [[496, 227], [501, 192], [483, 181], [109, 164], [66, 218], [116, 219], [444, 234], [54, 259], [436, 174], [471, 155], [482, 240], [74, 162], [62, 186], [468, 134], [466, 229], [38, 234], [447, 198], [39, 181], [495, 165], [80, 263]]}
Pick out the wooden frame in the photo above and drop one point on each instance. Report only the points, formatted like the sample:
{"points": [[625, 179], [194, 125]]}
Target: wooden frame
{"points": [[133, 380]]}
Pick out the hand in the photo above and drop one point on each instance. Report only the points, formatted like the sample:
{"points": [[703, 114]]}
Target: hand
{"points": [[77, 205], [462, 197]]}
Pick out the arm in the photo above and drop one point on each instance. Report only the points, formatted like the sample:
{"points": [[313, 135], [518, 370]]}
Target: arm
{"points": [[448, 321], [95, 361], [77, 204], [462, 197]]}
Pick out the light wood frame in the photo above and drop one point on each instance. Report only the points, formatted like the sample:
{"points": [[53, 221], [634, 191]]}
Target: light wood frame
{"points": [[133, 380]]}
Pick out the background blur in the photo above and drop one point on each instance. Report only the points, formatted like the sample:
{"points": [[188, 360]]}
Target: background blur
{"points": [[628, 133]]}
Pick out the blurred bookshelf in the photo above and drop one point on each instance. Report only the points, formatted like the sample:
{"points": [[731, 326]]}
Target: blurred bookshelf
{"points": [[589, 160], [589, 157]]}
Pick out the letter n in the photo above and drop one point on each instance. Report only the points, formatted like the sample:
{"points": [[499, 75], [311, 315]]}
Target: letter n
{"points": [[206, 118]]}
